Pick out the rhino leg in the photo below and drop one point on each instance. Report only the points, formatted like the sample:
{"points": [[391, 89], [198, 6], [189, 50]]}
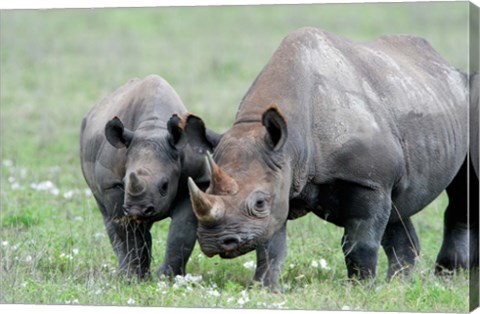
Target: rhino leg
{"points": [[270, 258], [402, 247], [366, 216], [131, 242], [181, 239], [458, 229]]}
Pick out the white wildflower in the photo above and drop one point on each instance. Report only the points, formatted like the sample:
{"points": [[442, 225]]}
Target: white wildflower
{"points": [[75, 251], [4, 243], [28, 259], [7, 163], [131, 301], [346, 308], [75, 301], [69, 194], [193, 278], [292, 266], [47, 186], [249, 265], [213, 293], [323, 264], [24, 284], [244, 298], [87, 192], [11, 179], [314, 264]]}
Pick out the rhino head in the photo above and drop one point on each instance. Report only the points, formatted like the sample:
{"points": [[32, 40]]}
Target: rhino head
{"points": [[155, 162], [247, 199]]}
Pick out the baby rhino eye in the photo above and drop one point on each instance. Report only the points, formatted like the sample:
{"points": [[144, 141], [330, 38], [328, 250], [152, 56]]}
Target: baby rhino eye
{"points": [[163, 186], [260, 203]]}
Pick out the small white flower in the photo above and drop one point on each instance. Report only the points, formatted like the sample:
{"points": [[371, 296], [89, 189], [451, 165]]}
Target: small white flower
{"points": [[323, 264], [78, 218], [346, 308], [7, 163], [69, 194], [75, 251], [28, 259], [15, 186], [4, 243], [23, 284], [244, 298], [314, 264], [87, 192], [213, 293], [131, 301], [230, 299], [249, 265], [292, 266], [11, 179], [75, 301], [193, 278]]}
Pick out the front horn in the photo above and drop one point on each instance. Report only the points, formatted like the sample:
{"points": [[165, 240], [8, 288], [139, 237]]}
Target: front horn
{"points": [[220, 182], [205, 206], [136, 186]]}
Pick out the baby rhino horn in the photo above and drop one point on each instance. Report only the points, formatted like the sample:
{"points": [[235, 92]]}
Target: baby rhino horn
{"points": [[220, 182], [135, 185]]}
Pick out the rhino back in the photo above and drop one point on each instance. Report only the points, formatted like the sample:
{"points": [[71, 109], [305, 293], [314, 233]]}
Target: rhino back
{"points": [[390, 111], [149, 101]]}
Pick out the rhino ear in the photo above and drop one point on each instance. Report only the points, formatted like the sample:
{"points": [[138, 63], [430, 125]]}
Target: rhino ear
{"points": [[276, 127], [117, 134], [199, 137], [176, 134]]}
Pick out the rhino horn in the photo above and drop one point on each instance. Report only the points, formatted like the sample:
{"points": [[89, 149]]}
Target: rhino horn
{"points": [[220, 182], [206, 207], [136, 186]]}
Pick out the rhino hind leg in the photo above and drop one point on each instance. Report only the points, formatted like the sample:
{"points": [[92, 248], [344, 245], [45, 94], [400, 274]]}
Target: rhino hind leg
{"points": [[456, 251], [181, 240], [402, 247], [270, 258]]}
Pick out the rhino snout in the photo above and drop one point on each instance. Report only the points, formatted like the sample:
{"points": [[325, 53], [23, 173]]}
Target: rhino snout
{"points": [[229, 243], [137, 211]]}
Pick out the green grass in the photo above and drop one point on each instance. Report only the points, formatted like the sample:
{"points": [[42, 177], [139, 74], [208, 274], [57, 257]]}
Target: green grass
{"points": [[56, 64]]}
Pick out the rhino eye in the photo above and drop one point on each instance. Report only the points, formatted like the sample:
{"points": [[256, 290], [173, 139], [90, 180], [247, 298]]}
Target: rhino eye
{"points": [[163, 187], [258, 204]]}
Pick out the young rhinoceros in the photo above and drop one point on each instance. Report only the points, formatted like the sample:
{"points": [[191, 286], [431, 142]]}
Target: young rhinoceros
{"points": [[363, 135], [138, 147]]}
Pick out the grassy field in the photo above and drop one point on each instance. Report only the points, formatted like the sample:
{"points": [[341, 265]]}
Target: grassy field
{"points": [[56, 64]]}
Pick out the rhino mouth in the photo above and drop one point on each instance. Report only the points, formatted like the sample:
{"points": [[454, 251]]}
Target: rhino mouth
{"points": [[229, 252]]}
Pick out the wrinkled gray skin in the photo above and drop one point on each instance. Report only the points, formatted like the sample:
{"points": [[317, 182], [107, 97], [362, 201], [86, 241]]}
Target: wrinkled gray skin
{"points": [[364, 135], [138, 146]]}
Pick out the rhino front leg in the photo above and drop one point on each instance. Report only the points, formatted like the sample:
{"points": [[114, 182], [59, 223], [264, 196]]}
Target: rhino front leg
{"points": [[402, 247], [367, 213], [181, 239], [132, 243], [270, 258]]}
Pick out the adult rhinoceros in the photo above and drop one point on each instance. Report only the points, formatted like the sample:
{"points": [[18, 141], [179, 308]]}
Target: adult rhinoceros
{"points": [[364, 135], [138, 147]]}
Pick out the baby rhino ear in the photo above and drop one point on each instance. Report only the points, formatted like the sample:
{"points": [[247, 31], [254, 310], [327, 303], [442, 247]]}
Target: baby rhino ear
{"points": [[117, 134], [199, 137], [276, 127]]}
